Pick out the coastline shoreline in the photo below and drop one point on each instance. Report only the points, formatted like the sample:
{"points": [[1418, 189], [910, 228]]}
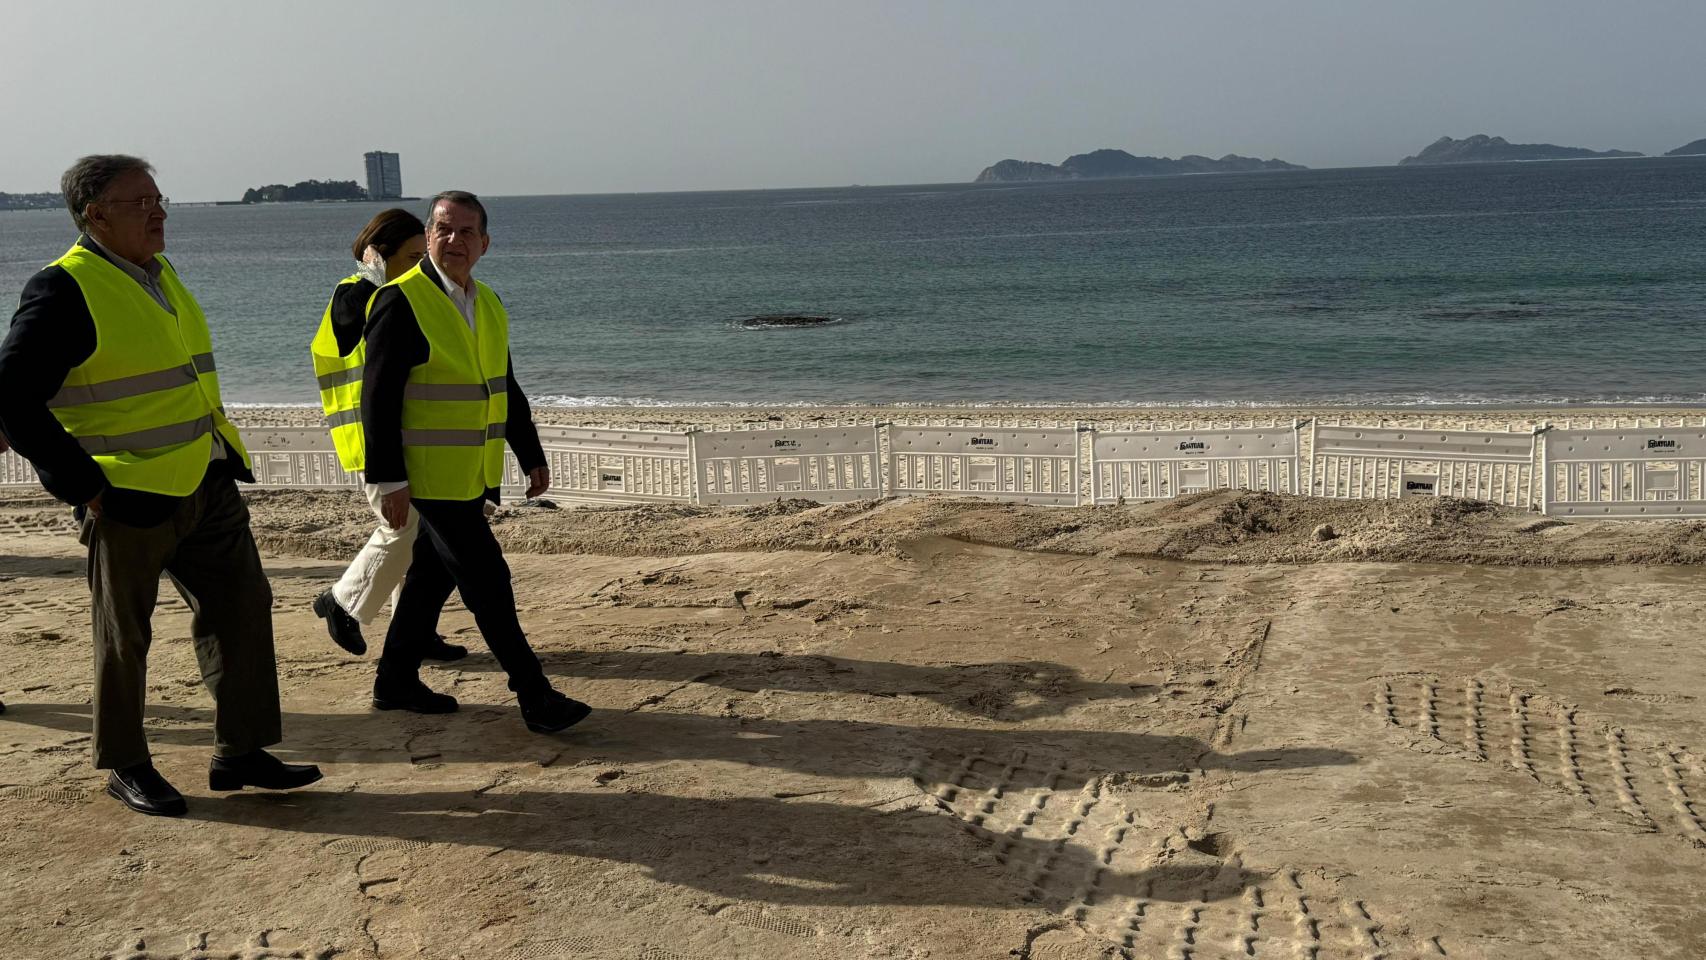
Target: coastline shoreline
{"points": [[685, 415]]}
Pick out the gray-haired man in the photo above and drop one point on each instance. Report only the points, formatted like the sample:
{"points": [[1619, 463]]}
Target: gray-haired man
{"points": [[108, 386]]}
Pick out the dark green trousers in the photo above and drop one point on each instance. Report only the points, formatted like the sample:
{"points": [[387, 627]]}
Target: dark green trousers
{"points": [[205, 547]]}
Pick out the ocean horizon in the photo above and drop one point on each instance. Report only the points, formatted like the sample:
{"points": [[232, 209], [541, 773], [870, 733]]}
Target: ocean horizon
{"points": [[1487, 286]]}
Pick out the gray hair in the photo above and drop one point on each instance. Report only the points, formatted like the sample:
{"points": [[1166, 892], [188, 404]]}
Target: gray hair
{"points": [[458, 196], [90, 177]]}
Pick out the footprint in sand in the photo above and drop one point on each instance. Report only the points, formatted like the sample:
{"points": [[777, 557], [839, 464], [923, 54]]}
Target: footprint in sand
{"points": [[197, 947], [1651, 785], [1146, 890]]}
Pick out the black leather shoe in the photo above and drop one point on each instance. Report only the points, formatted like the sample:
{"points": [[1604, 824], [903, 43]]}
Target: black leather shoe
{"points": [[409, 693], [345, 629], [141, 788], [438, 649], [259, 768], [551, 712]]}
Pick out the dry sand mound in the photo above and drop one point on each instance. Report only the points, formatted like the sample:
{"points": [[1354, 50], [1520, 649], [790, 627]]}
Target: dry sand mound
{"points": [[1220, 527]]}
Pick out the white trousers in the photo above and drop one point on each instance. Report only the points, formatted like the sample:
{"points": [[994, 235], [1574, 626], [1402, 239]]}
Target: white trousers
{"points": [[377, 571]]}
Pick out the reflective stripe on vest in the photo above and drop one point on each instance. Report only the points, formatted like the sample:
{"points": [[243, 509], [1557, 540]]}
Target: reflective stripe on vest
{"points": [[133, 386], [453, 438], [455, 404], [149, 439], [343, 418], [145, 404], [455, 391], [339, 379]]}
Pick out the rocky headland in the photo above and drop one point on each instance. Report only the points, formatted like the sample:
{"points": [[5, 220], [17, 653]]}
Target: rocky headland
{"points": [[1695, 149], [305, 191], [30, 201], [1484, 149], [1104, 164]]}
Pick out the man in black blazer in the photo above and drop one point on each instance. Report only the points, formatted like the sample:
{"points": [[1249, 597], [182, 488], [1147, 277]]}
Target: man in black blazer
{"points": [[455, 549]]}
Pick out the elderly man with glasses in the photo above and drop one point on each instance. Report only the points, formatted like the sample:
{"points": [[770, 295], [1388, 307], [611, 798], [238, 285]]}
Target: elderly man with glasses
{"points": [[108, 386]]}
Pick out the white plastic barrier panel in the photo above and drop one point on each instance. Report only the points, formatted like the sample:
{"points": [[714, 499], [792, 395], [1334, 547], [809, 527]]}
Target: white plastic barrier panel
{"points": [[15, 471], [1650, 472], [1020, 465], [305, 457], [587, 465], [1387, 463], [296, 457], [279, 456], [829, 465], [597, 465], [1160, 464]]}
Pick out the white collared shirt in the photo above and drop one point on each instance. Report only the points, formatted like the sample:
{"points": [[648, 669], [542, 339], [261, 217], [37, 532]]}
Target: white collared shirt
{"points": [[465, 300]]}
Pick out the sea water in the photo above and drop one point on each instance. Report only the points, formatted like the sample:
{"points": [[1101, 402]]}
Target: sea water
{"points": [[1566, 282]]}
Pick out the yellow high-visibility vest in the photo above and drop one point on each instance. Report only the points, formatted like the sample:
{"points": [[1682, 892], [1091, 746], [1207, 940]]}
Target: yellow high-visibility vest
{"points": [[340, 387], [456, 404], [146, 403]]}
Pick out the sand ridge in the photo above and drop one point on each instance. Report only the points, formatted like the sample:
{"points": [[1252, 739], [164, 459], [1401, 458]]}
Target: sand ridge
{"points": [[1220, 527]]}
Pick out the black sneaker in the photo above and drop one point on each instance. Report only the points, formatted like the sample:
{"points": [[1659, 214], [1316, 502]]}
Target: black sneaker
{"points": [[438, 649], [345, 629], [551, 712], [409, 693]]}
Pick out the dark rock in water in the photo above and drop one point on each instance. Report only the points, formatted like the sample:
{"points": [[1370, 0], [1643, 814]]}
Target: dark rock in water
{"points": [[785, 321]]}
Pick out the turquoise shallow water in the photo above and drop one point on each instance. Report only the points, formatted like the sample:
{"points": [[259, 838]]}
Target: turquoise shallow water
{"points": [[1575, 282]]}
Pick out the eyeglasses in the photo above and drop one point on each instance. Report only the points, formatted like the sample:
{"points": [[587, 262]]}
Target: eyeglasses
{"points": [[451, 233], [146, 203]]}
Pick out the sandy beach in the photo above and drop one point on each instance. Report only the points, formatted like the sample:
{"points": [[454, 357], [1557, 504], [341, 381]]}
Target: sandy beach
{"points": [[923, 728], [686, 417]]}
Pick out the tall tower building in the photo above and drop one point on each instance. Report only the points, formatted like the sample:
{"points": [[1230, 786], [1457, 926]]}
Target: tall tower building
{"points": [[384, 176]]}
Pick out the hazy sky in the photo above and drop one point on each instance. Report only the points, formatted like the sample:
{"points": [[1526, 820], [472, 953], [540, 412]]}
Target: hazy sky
{"points": [[581, 97]]}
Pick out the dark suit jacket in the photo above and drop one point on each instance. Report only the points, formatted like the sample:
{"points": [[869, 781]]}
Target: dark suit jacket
{"points": [[51, 333], [395, 345], [349, 313]]}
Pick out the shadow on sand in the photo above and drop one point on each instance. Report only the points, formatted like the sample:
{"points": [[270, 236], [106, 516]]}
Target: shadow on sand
{"points": [[777, 851], [785, 847], [829, 748], [1011, 690]]}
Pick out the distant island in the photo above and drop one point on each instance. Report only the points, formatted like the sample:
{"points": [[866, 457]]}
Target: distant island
{"points": [[1484, 149], [307, 190], [1694, 149], [31, 201], [1102, 164]]}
